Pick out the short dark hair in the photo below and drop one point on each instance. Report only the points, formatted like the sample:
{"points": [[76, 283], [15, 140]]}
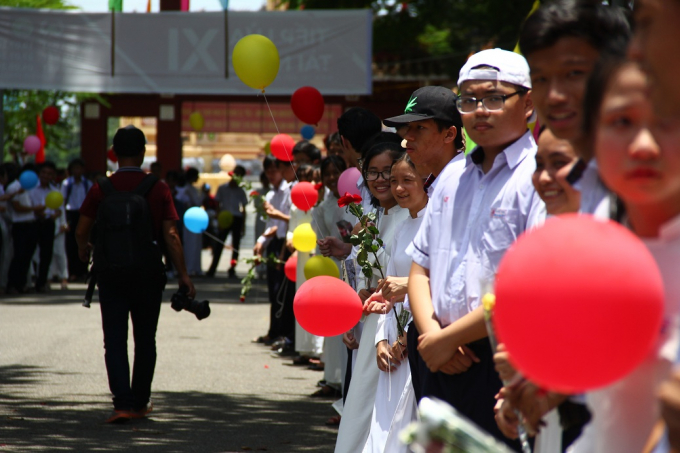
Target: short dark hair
{"points": [[240, 170], [129, 141], [357, 125], [74, 162], [308, 149], [47, 164], [191, 174], [380, 137], [459, 141], [603, 27], [268, 161], [336, 161]]}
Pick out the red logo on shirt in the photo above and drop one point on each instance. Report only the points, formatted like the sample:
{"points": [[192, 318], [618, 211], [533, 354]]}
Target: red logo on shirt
{"points": [[446, 199]]}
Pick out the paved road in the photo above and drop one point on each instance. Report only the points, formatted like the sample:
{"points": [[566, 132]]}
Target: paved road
{"points": [[214, 390]]}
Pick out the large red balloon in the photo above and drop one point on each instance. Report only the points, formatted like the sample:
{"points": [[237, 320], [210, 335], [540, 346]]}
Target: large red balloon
{"points": [[282, 147], [326, 306], [304, 195], [307, 104], [50, 114], [290, 268], [579, 303]]}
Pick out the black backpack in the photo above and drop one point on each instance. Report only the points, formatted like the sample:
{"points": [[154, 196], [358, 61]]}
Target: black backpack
{"points": [[123, 233]]}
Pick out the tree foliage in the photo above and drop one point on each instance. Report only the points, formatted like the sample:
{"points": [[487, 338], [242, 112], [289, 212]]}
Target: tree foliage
{"points": [[21, 107], [441, 31]]}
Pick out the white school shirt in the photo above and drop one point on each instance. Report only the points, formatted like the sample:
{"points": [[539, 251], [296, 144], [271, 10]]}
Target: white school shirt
{"points": [[279, 198], [624, 413], [471, 220], [24, 199], [38, 194], [594, 194], [78, 192]]}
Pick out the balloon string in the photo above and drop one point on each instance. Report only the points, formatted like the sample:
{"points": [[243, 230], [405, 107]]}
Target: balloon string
{"points": [[228, 247], [318, 228]]}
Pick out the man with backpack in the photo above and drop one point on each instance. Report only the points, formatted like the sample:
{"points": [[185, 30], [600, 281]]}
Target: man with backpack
{"points": [[129, 214]]}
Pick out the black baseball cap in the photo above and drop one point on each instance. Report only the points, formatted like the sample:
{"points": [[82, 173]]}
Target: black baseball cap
{"points": [[129, 141], [431, 102]]}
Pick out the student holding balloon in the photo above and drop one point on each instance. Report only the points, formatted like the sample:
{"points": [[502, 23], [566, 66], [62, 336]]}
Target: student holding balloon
{"points": [[44, 194], [23, 212]]}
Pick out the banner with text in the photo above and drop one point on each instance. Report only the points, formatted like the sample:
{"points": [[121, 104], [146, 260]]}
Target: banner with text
{"points": [[181, 53]]}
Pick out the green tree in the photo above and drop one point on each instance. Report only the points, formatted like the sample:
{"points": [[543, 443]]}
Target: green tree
{"points": [[21, 107], [440, 34]]}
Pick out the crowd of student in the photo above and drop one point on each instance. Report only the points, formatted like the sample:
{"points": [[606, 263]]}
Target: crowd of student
{"points": [[606, 145], [38, 245]]}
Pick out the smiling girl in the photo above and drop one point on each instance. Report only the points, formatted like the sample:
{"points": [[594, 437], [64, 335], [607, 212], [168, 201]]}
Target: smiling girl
{"points": [[554, 159]]}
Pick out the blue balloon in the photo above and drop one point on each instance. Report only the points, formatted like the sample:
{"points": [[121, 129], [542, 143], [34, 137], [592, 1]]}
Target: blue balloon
{"points": [[196, 220], [307, 132], [28, 180]]}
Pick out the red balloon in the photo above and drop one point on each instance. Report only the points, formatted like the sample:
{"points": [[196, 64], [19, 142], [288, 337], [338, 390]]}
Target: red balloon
{"points": [[326, 306], [111, 155], [282, 147], [50, 115], [304, 195], [290, 268], [307, 104], [579, 303]]}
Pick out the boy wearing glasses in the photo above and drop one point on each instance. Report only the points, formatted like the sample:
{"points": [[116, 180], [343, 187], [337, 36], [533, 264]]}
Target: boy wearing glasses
{"points": [[476, 211]]}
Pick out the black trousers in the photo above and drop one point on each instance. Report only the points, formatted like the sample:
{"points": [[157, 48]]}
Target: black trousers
{"points": [[235, 229], [472, 393], [275, 277], [24, 239], [76, 268], [140, 299], [45, 235]]}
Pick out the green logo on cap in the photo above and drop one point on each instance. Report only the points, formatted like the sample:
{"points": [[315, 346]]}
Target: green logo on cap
{"points": [[411, 103]]}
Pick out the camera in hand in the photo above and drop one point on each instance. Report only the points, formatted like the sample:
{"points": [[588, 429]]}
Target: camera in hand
{"points": [[180, 301]]}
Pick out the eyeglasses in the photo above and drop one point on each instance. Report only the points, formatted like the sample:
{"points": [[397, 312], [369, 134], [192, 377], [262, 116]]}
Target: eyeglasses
{"points": [[491, 103], [373, 175]]}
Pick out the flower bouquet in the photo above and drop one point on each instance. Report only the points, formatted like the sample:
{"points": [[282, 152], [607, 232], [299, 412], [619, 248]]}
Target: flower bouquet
{"points": [[443, 429], [368, 242]]}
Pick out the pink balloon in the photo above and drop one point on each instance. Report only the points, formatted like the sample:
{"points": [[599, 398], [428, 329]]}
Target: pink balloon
{"points": [[347, 183], [32, 144], [326, 306]]}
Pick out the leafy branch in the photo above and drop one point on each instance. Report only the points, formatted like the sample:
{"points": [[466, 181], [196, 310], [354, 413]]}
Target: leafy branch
{"points": [[247, 281]]}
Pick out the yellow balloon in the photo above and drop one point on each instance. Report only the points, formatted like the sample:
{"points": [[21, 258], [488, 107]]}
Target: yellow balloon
{"points": [[225, 219], [196, 121], [304, 238], [54, 199], [320, 265], [256, 61]]}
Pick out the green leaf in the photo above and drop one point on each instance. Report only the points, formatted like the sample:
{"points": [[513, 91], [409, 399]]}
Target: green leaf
{"points": [[371, 216], [354, 239], [362, 256], [367, 271], [373, 229], [379, 241], [374, 248]]}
